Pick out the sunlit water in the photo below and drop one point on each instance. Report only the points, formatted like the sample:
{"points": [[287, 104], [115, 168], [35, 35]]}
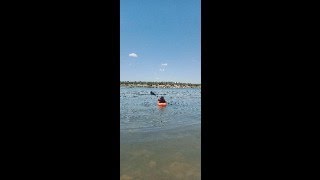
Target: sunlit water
{"points": [[160, 143]]}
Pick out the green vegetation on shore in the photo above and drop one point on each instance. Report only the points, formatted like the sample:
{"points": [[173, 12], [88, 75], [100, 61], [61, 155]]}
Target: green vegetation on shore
{"points": [[158, 84]]}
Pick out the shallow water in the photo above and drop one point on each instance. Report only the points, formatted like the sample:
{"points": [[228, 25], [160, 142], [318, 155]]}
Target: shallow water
{"points": [[160, 143]]}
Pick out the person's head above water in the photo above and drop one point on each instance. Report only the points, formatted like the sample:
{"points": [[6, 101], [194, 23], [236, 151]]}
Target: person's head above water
{"points": [[161, 99]]}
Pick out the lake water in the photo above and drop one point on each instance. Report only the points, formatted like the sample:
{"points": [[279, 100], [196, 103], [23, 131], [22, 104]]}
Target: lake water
{"points": [[160, 143]]}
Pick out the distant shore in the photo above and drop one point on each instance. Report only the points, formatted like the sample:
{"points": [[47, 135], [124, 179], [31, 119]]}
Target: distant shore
{"points": [[158, 84]]}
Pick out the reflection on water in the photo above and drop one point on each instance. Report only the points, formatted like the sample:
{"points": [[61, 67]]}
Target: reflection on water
{"points": [[160, 143]]}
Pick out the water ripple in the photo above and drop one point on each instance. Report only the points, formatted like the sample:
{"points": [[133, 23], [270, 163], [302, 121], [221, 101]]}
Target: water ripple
{"points": [[139, 110]]}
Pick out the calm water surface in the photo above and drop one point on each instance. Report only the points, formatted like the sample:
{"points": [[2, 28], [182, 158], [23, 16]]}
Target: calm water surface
{"points": [[160, 143]]}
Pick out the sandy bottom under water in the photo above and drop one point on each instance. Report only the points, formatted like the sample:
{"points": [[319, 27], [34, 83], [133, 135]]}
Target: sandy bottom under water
{"points": [[168, 155]]}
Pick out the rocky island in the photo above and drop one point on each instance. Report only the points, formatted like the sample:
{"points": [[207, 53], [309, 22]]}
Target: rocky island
{"points": [[158, 84]]}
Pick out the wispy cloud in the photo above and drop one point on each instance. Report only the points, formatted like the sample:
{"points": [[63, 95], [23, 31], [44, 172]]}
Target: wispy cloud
{"points": [[133, 55], [163, 66]]}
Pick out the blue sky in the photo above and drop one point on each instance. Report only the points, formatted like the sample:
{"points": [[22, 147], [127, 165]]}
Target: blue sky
{"points": [[160, 40]]}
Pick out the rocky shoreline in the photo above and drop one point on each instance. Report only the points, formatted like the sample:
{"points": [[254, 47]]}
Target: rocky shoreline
{"points": [[158, 84]]}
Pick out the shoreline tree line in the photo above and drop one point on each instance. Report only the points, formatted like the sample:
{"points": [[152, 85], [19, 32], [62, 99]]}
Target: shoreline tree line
{"points": [[162, 84]]}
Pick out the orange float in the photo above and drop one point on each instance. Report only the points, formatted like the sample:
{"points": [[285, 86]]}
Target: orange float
{"points": [[162, 104]]}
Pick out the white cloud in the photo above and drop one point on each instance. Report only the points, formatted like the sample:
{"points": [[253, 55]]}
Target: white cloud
{"points": [[133, 55], [163, 66]]}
